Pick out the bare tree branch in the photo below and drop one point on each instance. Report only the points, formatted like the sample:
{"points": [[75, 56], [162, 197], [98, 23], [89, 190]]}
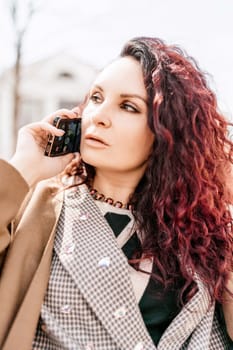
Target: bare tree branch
{"points": [[20, 30]]}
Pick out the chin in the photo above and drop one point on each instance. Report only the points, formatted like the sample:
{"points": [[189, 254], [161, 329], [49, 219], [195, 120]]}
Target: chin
{"points": [[91, 159]]}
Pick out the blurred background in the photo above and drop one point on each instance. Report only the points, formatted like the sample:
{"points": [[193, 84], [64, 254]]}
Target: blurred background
{"points": [[50, 50]]}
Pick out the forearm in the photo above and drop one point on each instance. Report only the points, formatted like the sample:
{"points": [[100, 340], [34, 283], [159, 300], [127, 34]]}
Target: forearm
{"points": [[228, 307]]}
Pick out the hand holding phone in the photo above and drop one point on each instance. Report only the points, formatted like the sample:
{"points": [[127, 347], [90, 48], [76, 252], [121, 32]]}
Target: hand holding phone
{"points": [[67, 143]]}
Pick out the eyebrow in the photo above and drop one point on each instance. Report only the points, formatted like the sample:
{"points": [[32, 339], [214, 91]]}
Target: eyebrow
{"points": [[126, 95], [134, 95]]}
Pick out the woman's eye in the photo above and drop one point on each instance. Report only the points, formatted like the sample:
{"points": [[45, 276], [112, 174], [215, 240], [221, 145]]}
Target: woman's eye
{"points": [[95, 97], [129, 107]]}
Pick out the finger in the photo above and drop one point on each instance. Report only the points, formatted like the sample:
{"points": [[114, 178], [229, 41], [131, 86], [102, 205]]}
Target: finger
{"points": [[60, 112], [77, 111], [43, 128]]}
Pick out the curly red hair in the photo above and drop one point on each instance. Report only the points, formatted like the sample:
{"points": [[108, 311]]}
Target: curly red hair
{"points": [[182, 202]]}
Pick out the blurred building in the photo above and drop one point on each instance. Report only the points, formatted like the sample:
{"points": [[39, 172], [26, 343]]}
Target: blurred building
{"points": [[57, 82]]}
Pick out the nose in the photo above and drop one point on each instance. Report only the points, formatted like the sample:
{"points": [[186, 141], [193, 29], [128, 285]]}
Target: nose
{"points": [[101, 116]]}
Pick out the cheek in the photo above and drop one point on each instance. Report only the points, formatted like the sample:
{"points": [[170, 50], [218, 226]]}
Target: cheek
{"points": [[87, 111], [145, 143], [83, 131], [85, 123], [136, 144]]}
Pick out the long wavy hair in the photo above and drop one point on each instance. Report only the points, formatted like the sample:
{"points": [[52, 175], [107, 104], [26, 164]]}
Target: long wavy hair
{"points": [[182, 202]]}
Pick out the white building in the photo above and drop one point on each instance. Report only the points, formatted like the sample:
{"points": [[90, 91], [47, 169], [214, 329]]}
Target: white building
{"points": [[57, 82]]}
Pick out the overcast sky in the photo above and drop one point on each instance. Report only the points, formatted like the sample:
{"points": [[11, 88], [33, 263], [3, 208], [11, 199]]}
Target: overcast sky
{"points": [[95, 30]]}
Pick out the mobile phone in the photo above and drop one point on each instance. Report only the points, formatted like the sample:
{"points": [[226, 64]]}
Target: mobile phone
{"points": [[67, 143]]}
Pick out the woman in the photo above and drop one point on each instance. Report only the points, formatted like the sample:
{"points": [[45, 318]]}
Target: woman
{"points": [[140, 255]]}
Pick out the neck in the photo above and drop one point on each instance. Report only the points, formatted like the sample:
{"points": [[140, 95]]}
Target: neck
{"points": [[120, 188]]}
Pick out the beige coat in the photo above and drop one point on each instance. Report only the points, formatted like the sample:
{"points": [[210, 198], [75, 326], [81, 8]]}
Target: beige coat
{"points": [[26, 268], [25, 274]]}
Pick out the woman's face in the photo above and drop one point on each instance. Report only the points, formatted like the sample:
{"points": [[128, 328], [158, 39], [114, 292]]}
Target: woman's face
{"points": [[115, 134]]}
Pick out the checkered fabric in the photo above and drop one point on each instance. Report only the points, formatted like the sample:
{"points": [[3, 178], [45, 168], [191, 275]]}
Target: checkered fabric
{"points": [[90, 303]]}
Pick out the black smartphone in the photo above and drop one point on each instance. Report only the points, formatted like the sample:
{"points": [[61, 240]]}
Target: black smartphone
{"points": [[67, 143]]}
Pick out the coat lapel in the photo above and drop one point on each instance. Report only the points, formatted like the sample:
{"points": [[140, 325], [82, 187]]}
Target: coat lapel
{"points": [[88, 250], [198, 309], [139, 279]]}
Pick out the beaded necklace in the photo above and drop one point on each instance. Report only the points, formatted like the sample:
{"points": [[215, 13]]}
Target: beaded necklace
{"points": [[101, 197]]}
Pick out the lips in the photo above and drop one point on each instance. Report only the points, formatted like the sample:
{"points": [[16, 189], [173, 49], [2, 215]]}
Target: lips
{"points": [[95, 138]]}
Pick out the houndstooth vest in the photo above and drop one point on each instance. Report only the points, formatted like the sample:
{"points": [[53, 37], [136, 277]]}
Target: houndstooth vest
{"points": [[90, 302]]}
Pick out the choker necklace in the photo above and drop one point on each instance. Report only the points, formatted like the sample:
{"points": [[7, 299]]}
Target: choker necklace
{"points": [[101, 197]]}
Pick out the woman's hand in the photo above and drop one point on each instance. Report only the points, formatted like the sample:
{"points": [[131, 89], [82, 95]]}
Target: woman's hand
{"points": [[29, 158]]}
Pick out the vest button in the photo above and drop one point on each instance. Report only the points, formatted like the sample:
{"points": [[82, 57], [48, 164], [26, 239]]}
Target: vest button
{"points": [[121, 312], [65, 309], [139, 346], [105, 262]]}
